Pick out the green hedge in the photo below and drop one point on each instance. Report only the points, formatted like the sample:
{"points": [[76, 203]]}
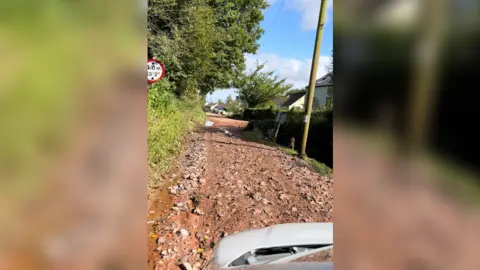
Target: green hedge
{"points": [[263, 125], [258, 114], [271, 113], [169, 120], [320, 135]]}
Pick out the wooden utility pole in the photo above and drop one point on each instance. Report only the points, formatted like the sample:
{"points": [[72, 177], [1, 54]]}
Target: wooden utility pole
{"points": [[313, 76]]}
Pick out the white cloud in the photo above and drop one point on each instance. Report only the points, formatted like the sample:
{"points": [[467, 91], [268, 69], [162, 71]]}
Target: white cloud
{"points": [[309, 10], [296, 72]]}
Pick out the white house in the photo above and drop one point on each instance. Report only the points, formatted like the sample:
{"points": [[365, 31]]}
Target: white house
{"points": [[322, 97], [210, 106], [294, 101]]}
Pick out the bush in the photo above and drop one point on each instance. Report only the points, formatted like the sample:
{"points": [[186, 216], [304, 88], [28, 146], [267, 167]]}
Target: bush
{"points": [[259, 114], [169, 120], [320, 135], [237, 116], [262, 125], [271, 113]]}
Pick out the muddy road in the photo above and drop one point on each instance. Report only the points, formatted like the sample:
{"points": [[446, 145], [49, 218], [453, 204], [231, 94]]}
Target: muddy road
{"points": [[224, 184]]}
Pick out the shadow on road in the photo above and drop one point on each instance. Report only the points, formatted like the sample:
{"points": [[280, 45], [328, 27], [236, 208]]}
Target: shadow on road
{"points": [[217, 116], [241, 144]]}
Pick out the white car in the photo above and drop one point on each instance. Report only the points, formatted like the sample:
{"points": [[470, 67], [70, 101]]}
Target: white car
{"points": [[275, 247]]}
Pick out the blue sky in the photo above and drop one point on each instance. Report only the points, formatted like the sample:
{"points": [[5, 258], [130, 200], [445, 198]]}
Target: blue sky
{"points": [[287, 44]]}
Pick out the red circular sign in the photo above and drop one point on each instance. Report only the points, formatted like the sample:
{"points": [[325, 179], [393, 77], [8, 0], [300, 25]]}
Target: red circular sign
{"points": [[155, 71]]}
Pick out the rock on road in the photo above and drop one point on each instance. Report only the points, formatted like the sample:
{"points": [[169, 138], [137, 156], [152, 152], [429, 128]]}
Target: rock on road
{"points": [[226, 185]]}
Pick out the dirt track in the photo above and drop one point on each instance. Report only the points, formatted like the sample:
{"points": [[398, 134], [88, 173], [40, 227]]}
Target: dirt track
{"points": [[223, 122], [224, 185]]}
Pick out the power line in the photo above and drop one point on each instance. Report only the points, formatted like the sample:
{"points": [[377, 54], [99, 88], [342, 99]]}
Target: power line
{"points": [[278, 11], [276, 14]]}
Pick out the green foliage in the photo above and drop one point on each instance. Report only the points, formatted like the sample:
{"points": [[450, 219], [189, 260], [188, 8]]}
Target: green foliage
{"points": [[259, 114], [237, 116], [229, 100], [320, 143], [295, 91], [271, 113], [259, 87], [319, 167], [238, 26], [235, 108], [263, 125], [270, 104], [320, 134], [202, 42], [253, 135], [181, 35], [169, 119]]}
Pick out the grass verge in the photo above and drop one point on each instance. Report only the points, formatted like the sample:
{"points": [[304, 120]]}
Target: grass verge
{"points": [[167, 127], [257, 136], [319, 167]]}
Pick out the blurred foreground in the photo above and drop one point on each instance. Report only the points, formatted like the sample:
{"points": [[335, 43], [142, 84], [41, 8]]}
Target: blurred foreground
{"points": [[73, 140], [393, 212], [406, 156], [73, 144]]}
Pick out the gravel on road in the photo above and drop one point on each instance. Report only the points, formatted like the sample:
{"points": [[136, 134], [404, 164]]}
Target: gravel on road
{"points": [[227, 185]]}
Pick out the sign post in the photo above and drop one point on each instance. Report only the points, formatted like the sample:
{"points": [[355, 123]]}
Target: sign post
{"points": [[281, 117]]}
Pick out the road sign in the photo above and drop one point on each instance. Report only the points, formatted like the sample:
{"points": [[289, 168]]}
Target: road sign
{"points": [[155, 71], [281, 117]]}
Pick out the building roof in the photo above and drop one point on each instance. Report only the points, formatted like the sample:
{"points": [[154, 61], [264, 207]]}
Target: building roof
{"points": [[279, 101], [292, 99], [211, 104], [326, 80], [221, 106]]}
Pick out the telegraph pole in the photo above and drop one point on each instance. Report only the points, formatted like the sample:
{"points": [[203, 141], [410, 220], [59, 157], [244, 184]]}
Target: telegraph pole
{"points": [[313, 76]]}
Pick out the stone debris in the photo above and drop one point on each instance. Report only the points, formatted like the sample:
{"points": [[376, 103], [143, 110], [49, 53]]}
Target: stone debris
{"points": [[199, 212], [184, 233], [161, 240], [186, 266], [185, 259], [249, 185]]}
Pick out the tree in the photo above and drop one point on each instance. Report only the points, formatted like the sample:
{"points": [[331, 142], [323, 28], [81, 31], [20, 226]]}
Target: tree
{"points": [[229, 99], [330, 64], [181, 35], [260, 87], [219, 101], [238, 25], [202, 42], [294, 91], [330, 70]]}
